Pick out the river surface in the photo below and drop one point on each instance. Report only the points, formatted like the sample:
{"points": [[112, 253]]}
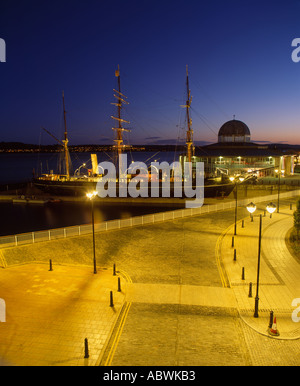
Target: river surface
{"points": [[22, 218], [17, 167]]}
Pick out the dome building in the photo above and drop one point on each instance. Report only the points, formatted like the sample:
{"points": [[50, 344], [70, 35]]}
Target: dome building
{"points": [[234, 131], [235, 154]]}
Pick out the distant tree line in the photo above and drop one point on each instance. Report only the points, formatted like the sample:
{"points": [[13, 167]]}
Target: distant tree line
{"points": [[19, 147]]}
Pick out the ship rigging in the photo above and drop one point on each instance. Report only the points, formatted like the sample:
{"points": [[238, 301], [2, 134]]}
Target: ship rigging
{"points": [[72, 184]]}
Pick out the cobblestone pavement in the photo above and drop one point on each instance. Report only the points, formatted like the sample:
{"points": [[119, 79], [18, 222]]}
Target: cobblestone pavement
{"points": [[173, 308], [177, 335], [265, 351], [49, 315], [169, 334]]}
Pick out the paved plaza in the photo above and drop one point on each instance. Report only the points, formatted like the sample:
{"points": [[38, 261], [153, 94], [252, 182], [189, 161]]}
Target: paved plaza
{"points": [[182, 302]]}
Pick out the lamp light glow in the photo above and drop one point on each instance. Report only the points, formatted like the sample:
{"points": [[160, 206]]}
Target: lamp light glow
{"points": [[271, 208], [251, 207], [91, 195]]}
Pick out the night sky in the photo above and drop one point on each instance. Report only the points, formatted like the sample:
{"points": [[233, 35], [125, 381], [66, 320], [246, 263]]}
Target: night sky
{"points": [[238, 53]]}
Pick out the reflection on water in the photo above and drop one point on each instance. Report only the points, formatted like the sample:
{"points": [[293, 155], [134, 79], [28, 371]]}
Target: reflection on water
{"points": [[22, 218], [17, 167]]}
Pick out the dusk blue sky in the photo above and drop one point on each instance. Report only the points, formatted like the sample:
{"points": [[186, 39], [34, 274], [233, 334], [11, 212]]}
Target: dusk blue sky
{"points": [[238, 53]]}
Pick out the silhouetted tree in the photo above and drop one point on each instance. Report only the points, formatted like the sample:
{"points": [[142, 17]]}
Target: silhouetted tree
{"points": [[297, 219]]}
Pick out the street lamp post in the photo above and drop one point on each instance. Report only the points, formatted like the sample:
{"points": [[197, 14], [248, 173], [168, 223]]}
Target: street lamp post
{"points": [[91, 196], [236, 199], [235, 213], [279, 171], [251, 209], [279, 174], [258, 268]]}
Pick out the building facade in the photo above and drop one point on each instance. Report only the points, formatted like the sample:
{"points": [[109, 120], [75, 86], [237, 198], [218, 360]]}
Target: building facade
{"points": [[235, 154]]}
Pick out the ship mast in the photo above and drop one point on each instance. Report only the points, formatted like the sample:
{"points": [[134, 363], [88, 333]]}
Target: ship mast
{"points": [[65, 141], [189, 134], [121, 100]]}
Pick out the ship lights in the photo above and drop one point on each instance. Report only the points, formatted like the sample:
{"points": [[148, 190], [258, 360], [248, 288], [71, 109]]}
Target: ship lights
{"points": [[91, 195]]}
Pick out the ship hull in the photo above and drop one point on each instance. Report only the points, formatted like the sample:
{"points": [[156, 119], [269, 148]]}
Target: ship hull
{"points": [[81, 188]]}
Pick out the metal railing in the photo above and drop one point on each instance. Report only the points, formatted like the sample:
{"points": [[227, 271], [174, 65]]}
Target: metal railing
{"points": [[59, 233]]}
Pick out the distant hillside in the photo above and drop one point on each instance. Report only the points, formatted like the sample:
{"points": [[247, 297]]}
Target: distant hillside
{"points": [[19, 147]]}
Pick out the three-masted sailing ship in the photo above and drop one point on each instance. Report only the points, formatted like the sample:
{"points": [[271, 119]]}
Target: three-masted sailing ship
{"points": [[67, 183]]}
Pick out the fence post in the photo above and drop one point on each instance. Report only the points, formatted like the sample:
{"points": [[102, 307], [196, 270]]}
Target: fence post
{"points": [[16, 240], [86, 348], [32, 237], [111, 299], [243, 273], [250, 290], [271, 319]]}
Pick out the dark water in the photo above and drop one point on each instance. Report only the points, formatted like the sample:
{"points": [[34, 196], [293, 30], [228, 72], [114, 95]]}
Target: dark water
{"points": [[21, 218]]}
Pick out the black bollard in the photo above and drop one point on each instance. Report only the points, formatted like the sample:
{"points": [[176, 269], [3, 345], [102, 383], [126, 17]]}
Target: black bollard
{"points": [[119, 284], [114, 270], [50, 265], [243, 224], [234, 255], [250, 290], [232, 242], [243, 273], [111, 299], [86, 348], [271, 319]]}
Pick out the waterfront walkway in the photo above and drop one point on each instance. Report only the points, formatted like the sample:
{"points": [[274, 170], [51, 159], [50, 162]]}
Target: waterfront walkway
{"points": [[50, 313], [279, 275]]}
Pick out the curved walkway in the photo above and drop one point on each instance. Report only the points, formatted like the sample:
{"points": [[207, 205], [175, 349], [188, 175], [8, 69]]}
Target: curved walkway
{"points": [[279, 275]]}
